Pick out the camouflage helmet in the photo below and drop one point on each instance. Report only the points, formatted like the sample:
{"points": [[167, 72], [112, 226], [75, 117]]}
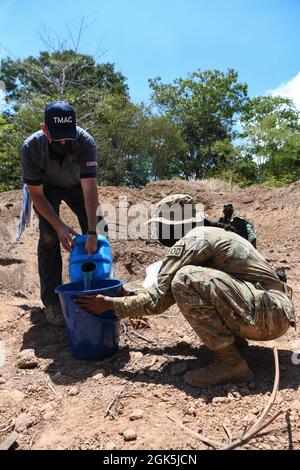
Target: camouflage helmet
{"points": [[176, 209]]}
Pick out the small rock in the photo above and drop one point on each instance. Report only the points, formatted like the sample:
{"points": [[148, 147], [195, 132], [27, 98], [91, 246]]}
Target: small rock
{"points": [[295, 405], [136, 355], [201, 401], [73, 392], [26, 359], [9, 441], [2, 381], [34, 387], [179, 368], [185, 342], [130, 435], [23, 421], [191, 411], [255, 411], [136, 414], [217, 400], [249, 418], [99, 374], [267, 447], [231, 397]]}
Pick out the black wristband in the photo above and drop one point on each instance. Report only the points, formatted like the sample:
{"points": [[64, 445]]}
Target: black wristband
{"points": [[90, 232]]}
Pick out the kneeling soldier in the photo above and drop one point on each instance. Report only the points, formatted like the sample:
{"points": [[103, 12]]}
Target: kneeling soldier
{"points": [[222, 285]]}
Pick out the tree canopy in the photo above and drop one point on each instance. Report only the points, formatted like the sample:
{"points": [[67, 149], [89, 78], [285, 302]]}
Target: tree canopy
{"points": [[195, 127], [205, 107]]}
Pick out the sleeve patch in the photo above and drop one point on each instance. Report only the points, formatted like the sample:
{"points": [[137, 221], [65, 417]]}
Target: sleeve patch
{"points": [[176, 251]]}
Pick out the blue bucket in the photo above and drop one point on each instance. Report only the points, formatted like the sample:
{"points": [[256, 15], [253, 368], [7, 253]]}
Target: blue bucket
{"points": [[90, 336]]}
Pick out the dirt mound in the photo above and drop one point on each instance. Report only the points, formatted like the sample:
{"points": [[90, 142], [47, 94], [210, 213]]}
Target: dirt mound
{"points": [[64, 403]]}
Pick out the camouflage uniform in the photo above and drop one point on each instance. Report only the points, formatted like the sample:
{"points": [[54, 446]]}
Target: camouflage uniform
{"points": [[242, 226], [223, 287]]}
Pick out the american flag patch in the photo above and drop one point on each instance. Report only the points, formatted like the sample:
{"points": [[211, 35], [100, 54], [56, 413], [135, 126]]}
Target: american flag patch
{"points": [[91, 163]]}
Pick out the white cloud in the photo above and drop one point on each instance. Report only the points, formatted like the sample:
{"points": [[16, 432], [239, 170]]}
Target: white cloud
{"points": [[290, 89]]}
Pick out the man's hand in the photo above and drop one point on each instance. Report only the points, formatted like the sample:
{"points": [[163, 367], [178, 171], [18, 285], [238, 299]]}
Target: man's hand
{"points": [[126, 292], [91, 245], [65, 236], [95, 303]]}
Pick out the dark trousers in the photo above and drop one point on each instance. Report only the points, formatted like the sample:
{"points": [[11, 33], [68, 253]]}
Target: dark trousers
{"points": [[49, 254]]}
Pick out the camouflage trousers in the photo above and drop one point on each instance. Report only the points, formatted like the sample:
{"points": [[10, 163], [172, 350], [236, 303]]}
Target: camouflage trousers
{"points": [[218, 307]]}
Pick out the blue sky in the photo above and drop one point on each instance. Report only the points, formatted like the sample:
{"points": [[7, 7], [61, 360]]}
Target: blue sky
{"points": [[170, 38]]}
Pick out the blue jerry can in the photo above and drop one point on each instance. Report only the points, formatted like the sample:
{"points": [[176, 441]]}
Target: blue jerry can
{"points": [[100, 264]]}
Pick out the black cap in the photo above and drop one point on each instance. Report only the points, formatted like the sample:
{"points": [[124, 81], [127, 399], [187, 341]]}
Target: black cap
{"points": [[60, 120]]}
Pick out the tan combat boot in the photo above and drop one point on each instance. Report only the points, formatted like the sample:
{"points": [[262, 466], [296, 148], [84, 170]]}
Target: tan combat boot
{"points": [[228, 367]]}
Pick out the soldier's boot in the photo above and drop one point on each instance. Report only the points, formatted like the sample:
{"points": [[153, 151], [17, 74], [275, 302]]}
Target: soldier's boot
{"points": [[229, 367], [240, 343]]}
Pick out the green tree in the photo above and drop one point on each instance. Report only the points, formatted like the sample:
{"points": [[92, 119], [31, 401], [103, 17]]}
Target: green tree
{"points": [[119, 128], [165, 147], [33, 82], [9, 171], [205, 107], [134, 146], [58, 75], [271, 129]]}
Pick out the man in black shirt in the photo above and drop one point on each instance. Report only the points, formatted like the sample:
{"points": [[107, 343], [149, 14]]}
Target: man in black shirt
{"points": [[60, 164]]}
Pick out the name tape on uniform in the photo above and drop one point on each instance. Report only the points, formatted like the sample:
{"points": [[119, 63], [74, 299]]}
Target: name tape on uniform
{"points": [[176, 251]]}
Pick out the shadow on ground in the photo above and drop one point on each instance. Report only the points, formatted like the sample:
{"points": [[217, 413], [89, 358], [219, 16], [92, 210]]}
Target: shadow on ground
{"points": [[50, 343]]}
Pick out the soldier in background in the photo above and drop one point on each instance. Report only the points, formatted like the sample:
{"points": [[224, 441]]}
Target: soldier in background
{"points": [[241, 225]]}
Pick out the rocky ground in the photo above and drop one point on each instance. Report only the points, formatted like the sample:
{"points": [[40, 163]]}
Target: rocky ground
{"points": [[137, 399]]}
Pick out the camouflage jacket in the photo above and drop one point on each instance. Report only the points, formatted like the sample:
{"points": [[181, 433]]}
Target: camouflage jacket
{"points": [[204, 246]]}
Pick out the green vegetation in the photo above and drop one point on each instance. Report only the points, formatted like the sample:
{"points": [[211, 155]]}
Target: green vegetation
{"points": [[201, 126]]}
